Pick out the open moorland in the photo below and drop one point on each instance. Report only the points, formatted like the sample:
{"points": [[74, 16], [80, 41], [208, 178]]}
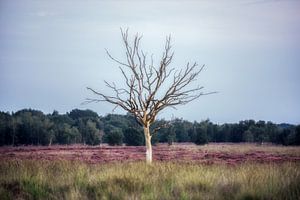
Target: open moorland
{"points": [[180, 171], [210, 154]]}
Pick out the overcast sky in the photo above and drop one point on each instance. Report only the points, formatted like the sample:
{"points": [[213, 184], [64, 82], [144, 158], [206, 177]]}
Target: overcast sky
{"points": [[50, 51]]}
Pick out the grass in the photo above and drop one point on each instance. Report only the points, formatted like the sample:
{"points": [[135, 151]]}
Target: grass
{"points": [[74, 180], [243, 148], [248, 147]]}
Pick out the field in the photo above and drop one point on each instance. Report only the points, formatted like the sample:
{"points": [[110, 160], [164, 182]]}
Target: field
{"points": [[181, 171], [207, 154]]}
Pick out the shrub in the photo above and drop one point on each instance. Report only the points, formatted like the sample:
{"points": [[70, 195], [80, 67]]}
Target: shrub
{"points": [[133, 137], [115, 137], [201, 136]]}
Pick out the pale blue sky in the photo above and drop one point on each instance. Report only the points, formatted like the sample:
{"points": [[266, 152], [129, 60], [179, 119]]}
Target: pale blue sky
{"points": [[51, 50]]}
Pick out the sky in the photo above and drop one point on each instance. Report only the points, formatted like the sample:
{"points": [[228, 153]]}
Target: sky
{"points": [[50, 51]]}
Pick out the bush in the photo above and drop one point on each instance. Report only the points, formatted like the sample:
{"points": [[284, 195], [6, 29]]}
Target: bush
{"points": [[114, 137], [133, 137], [201, 136]]}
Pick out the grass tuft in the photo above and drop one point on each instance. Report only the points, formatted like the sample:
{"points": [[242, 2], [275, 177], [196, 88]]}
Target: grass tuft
{"points": [[163, 181]]}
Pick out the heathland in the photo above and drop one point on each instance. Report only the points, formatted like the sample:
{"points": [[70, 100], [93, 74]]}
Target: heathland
{"points": [[180, 171]]}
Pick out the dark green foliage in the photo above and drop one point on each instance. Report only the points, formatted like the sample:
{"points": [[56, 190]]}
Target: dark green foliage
{"points": [[76, 114], [201, 133], [117, 121], [180, 128], [297, 135], [171, 137], [67, 135], [162, 135], [114, 137], [33, 127], [89, 132], [133, 137]]}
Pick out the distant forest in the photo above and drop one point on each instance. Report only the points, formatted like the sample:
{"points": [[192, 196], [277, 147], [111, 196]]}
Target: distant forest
{"points": [[33, 127]]}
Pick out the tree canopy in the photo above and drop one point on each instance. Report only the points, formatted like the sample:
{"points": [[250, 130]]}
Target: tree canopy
{"points": [[33, 127]]}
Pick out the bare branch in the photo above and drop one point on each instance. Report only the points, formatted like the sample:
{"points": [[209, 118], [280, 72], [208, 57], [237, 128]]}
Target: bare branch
{"points": [[162, 126], [142, 94]]}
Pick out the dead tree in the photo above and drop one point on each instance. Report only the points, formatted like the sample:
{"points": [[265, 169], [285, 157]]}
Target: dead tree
{"points": [[149, 89]]}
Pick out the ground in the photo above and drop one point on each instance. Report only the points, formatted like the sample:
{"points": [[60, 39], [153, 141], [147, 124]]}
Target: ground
{"points": [[181, 171], [213, 153]]}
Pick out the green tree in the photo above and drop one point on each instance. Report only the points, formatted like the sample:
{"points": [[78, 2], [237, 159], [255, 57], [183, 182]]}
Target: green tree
{"points": [[248, 136], [133, 137], [13, 126], [114, 137], [297, 135], [179, 128], [92, 133], [171, 136], [201, 133], [6, 130], [76, 114], [67, 134]]}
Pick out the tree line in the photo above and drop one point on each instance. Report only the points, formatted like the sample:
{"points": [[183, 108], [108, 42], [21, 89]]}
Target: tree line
{"points": [[33, 127]]}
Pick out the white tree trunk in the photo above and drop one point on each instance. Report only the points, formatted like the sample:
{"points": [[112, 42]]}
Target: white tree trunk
{"points": [[148, 145], [50, 142]]}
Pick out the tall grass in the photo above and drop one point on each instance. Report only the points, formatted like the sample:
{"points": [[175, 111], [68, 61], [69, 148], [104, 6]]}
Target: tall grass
{"points": [[74, 180]]}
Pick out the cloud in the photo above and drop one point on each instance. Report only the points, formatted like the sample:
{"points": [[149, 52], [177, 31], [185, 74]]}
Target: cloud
{"points": [[43, 13], [254, 2]]}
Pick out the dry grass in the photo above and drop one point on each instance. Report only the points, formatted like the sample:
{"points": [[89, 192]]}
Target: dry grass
{"points": [[136, 180], [242, 148]]}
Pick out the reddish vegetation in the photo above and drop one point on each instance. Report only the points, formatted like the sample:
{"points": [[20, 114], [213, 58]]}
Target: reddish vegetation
{"points": [[104, 154]]}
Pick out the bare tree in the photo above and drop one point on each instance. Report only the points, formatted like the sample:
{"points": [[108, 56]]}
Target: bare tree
{"points": [[149, 89]]}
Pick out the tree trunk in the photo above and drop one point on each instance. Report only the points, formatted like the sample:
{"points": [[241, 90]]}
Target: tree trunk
{"points": [[148, 145], [50, 142]]}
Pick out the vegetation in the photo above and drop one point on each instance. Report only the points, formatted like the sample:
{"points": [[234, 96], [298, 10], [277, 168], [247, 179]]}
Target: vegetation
{"points": [[114, 137], [69, 180], [134, 137], [32, 127]]}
